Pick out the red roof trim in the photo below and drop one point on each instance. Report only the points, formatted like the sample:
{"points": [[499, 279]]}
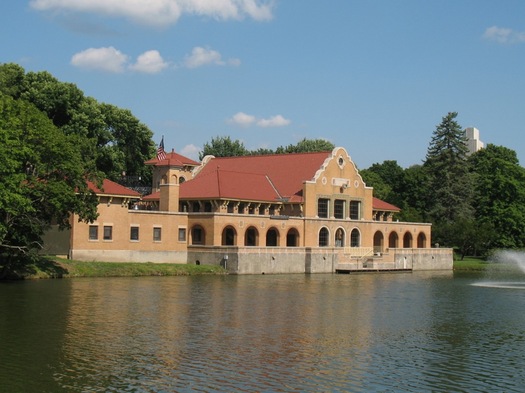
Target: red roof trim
{"points": [[378, 204], [111, 188]]}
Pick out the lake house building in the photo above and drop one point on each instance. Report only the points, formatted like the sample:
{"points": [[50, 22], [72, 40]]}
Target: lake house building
{"points": [[281, 213]]}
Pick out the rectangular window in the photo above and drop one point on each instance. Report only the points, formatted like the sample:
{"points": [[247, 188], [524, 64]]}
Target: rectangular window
{"points": [[93, 232], [355, 210], [240, 208], [197, 236], [157, 233], [182, 234], [108, 232], [322, 207], [339, 208], [134, 234]]}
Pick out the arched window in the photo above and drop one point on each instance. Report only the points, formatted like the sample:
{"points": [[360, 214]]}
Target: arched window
{"points": [[393, 240], [229, 236], [272, 237], [340, 237], [181, 180], [292, 238], [421, 240], [378, 242], [407, 240], [198, 236], [355, 238], [251, 237], [323, 237]]}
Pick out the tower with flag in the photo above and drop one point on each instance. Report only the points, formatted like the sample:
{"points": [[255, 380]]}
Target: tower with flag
{"points": [[161, 154]]}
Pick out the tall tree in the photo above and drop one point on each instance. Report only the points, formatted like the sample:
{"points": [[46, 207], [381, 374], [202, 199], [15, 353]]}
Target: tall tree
{"points": [[500, 194], [449, 192], [42, 179], [307, 146], [223, 146], [112, 136]]}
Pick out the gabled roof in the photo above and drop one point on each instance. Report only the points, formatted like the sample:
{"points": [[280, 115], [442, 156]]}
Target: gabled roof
{"points": [[111, 188], [222, 184], [261, 178], [378, 204], [173, 159]]}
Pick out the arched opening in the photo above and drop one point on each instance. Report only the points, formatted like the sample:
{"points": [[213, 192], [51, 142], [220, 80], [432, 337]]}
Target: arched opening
{"points": [[393, 240], [323, 237], [340, 237], [421, 240], [229, 236], [355, 238], [407, 240], [292, 238], [272, 237], [181, 180], [198, 236], [251, 237], [378, 242]]}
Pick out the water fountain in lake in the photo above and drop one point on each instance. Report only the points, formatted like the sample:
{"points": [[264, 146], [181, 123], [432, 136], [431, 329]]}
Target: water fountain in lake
{"points": [[513, 263]]}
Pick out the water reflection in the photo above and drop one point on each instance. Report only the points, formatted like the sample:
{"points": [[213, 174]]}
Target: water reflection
{"points": [[386, 332]]}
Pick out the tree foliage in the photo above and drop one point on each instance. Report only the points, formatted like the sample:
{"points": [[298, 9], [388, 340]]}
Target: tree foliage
{"points": [[224, 146], [307, 146], [42, 178], [449, 192], [116, 140], [500, 194]]}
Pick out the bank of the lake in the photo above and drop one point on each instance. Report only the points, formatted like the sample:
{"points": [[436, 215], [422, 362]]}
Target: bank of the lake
{"points": [[67, 268], [49, 267]]}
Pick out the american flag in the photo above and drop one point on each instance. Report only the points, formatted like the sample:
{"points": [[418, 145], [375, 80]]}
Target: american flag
{"points": [[161, 154]]}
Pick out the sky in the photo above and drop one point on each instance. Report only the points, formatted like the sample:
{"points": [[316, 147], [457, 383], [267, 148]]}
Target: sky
{"points": [[373, 76]]}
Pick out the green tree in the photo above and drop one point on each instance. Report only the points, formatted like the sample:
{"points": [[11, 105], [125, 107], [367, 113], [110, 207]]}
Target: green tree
{"points": [[306, 146], [113, 137], [500, 194], [449, 191], [382, 189], [466, 236], [223, 146], [42, 179]]}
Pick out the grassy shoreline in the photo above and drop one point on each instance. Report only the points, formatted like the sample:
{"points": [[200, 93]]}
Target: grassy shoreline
{"points": [[53, 267]]}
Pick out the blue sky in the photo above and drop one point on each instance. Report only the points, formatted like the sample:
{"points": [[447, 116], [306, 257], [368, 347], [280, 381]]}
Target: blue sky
{"points": [[374, 76]]}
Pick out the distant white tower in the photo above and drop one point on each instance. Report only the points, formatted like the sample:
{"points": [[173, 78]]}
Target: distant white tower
{"points": [[473, 142]]}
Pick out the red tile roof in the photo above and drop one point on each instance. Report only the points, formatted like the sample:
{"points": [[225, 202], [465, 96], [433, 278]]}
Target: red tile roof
{"points": [[378, 204], [173, 159], [260, 178], [111, 188]]}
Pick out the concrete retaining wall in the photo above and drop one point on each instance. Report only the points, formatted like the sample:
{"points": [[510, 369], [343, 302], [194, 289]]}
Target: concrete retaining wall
{"points": [[425, 259]]}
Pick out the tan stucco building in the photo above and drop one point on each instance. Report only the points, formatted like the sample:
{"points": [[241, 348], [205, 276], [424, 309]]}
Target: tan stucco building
{"points": [[287, 213]]}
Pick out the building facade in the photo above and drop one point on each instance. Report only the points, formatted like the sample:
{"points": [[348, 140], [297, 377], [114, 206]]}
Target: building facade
{"points": [[288, 213]]}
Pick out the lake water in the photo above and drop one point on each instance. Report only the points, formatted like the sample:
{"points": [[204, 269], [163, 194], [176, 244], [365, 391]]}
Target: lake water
{"points": [[399, 332]]}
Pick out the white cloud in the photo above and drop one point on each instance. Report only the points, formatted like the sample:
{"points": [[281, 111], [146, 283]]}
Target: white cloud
{"points": [[191, 151], [163, 12], [244, 120], [101, 59], [203, 56], [274, 121], [504, 35], [112, 60], [150, 62]]}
